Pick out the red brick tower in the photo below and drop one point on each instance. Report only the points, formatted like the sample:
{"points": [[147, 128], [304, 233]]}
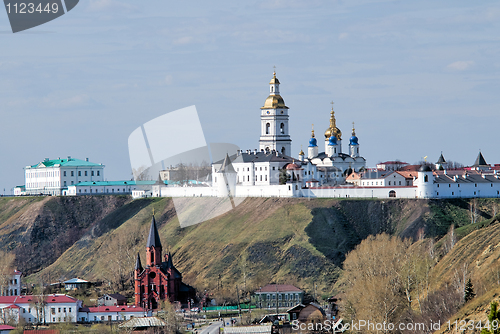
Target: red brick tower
{"points": [[158, 280]]}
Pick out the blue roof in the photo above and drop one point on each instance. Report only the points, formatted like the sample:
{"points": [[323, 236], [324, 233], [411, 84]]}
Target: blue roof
{"points": [[313, 142], [332, 141], [353, 140]]}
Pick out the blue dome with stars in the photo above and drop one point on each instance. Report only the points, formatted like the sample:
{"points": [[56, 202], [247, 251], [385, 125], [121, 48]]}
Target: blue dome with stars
{"points": [[332, 141]]}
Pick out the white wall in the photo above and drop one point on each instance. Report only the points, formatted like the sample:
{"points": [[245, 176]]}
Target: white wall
{"points": [[360, 192]]}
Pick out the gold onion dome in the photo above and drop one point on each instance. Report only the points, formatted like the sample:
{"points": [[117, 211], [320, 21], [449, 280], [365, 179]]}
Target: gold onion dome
{"points": [[274, 101], [274, 80], [333, 130], [301, 152]]}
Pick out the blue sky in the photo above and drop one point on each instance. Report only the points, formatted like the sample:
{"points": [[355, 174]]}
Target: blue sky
{"points": [[417, 77]]}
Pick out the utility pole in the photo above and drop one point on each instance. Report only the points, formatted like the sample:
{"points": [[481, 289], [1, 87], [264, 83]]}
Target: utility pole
{"points": [[239, 305], [277, 310]]}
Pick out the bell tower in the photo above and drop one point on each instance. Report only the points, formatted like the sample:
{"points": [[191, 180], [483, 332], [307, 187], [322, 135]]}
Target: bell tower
{"points": [[274, 133]]}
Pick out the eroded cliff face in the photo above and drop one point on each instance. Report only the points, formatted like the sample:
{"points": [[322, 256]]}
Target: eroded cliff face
{"points": [[40, 230], [263, 239]]}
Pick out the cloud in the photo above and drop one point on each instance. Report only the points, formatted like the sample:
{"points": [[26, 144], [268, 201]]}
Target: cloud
{"points": [[343, 35], [460, 65], [58, 100], [183, 40], [169, 79], [107, 5]]}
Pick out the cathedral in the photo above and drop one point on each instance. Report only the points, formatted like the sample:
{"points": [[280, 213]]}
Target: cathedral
{"points": [[159, 280], [261, 167]]}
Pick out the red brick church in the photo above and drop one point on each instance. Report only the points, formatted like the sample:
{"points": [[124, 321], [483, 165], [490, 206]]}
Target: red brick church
{"points": [[160, 279]]}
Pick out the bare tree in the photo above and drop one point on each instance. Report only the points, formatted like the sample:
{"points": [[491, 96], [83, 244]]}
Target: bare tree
{"points": [[6, 271], [474, 216]]}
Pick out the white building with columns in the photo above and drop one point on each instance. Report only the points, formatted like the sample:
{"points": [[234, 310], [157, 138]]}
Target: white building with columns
{"points": [[52, 177]]}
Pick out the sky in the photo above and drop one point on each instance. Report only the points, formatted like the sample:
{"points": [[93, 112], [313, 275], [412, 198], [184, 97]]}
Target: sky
{"points": [[417, 77]]}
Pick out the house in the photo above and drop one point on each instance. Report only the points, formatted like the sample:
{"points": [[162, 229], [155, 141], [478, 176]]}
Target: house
{"points": [[311, 312], [113, 299], [262, 329], [281, 295], [391, 165], [76, 283], [143, 323], [5, 329], [14, 286], [111, 313], [333, 308], [40, 309], [271, 318]]}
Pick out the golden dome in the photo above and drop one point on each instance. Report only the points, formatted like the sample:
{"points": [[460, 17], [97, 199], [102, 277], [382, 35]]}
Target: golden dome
{"points": [[274, 80], [301, 152], [333, 130], [274, 101]]}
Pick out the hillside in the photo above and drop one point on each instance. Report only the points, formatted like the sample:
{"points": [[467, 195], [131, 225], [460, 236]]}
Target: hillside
{"points": [[264, 239], [476, 256]]}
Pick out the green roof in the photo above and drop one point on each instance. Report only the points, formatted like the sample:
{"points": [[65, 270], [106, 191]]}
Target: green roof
{"points": [[70, 162], [115, 183]]}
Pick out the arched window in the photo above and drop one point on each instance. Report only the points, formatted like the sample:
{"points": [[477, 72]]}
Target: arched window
{"points": [[267, 128], [282, 128], [272, 89], [426, 178], [392, 193], [152, 257], [282, 150]]}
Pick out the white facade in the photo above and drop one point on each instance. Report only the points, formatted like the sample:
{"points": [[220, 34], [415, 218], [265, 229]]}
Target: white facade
{"points": [[389, 179], [274, 135], [54, 308], [52, 177], [111, 313], [14, 287], [102, 188]]}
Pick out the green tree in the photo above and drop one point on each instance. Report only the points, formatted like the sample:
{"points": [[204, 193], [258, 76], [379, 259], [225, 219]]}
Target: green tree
{"points": [[284, 177], [493, 319], [469, 291]]}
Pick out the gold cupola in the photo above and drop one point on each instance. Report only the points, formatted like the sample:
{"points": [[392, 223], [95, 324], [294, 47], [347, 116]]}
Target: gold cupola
{"points": [[332, 129], [274, 100]]}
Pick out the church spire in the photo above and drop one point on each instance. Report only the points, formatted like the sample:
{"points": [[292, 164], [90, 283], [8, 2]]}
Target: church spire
{"points": [[154, 237], [138, 265]]}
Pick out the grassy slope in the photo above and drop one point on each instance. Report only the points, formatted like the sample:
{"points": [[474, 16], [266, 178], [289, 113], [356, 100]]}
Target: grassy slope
{"points": [[264, 239], [478, 253], [289, 240]]}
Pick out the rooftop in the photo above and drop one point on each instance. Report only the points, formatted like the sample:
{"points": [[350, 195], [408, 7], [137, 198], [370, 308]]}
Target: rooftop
{"points": [[70, 162], [278, 287]]}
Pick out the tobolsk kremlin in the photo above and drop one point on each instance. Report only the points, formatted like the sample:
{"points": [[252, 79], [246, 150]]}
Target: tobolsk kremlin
{"points": [[330, 165]]}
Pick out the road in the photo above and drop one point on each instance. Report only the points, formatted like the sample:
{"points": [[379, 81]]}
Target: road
{"points": [[211, 329]]}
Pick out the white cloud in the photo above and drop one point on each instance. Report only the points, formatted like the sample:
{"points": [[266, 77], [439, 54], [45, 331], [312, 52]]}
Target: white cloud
{"points": [[169, 79], [107, 5], [183, 40], [460, 65], [343, 35], [58, 100]]}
